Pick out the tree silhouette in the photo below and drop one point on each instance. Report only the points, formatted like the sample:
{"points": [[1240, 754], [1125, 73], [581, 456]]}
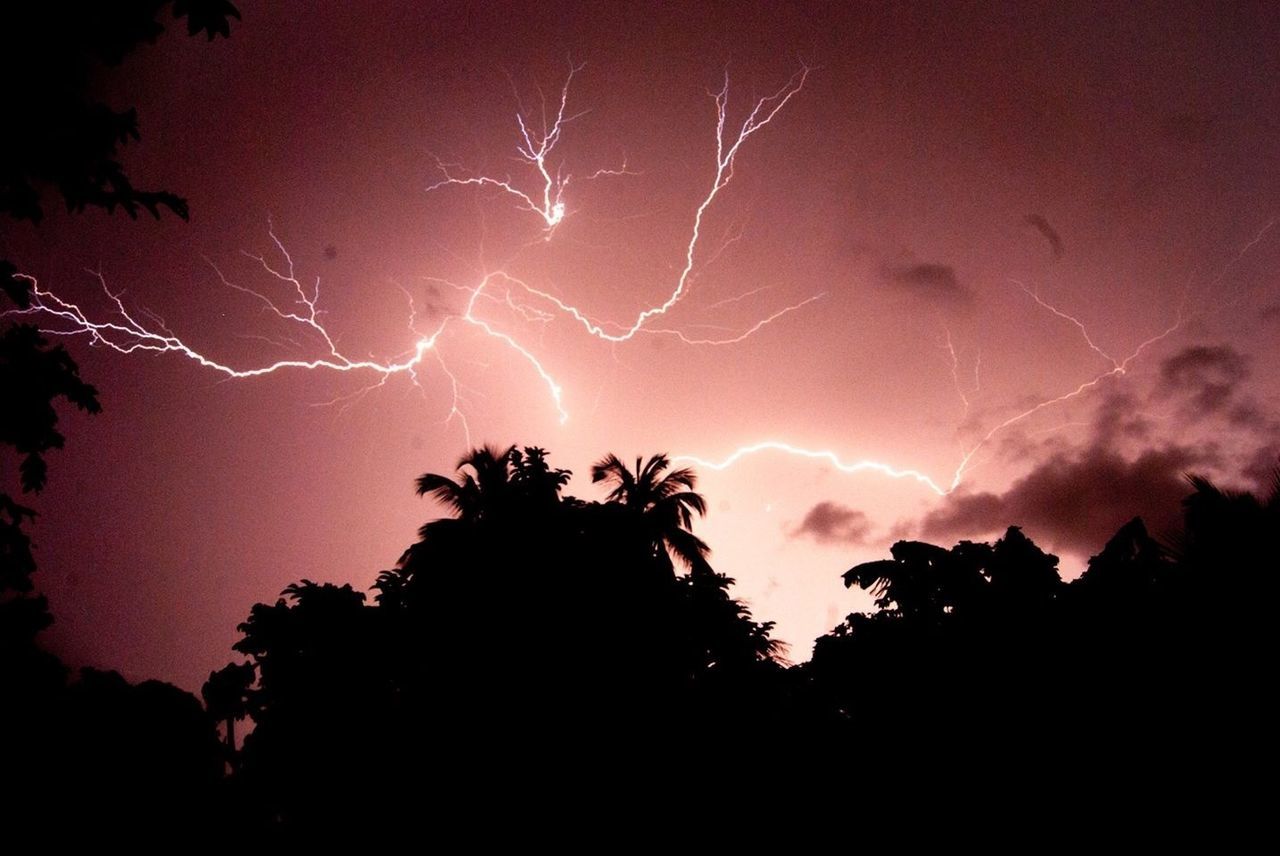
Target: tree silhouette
{"points": [[921, 580], [144, 755], [530, 631], [482, 489], [33, 376], [535, 631], [1227, 556], [1231, 537], [1131, 570], [64, 137], [925, 582], [982, 653], [963, 642], [665, 503], [326, 686], [226, 696], [117, 756]]}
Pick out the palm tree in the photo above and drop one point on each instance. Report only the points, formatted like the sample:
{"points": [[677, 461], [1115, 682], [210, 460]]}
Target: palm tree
{"points": [[665, 503], [475, 495], [496, 494], [1229, 534], [921, 580]]}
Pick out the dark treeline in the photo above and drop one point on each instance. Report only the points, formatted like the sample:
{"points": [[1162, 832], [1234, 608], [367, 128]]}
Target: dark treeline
{"points": [[539, 648]]}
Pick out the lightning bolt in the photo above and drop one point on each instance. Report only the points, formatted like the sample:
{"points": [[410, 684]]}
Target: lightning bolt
{"points": [[129, 332], [865, 465], [823, 455], [950, 348], [726, 152], [1076, 322], [125, 334], [547, 201], [750, 331], [1118, 368]]}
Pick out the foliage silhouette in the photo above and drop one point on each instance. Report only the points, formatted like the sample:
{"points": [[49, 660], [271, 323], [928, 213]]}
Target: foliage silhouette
{"points": [[983, 652], [530, 629], [67, 138], [142, 756], [665, 503], [32, 377], [535, 630], [478, 494], [540, 647], [226, 697], [1231, 536], [324, 700], [111, 752]]}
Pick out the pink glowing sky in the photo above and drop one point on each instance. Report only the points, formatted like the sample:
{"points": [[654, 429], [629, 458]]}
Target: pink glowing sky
{"points": [[939, 164]]}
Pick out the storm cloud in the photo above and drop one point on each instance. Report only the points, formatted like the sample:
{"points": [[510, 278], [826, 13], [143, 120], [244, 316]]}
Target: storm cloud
{"points": [[935, 283], [1075, 502], [1206, 376], [833, 523]]}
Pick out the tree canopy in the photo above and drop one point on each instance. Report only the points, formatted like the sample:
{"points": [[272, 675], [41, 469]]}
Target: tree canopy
{"points": [[104, 752]]}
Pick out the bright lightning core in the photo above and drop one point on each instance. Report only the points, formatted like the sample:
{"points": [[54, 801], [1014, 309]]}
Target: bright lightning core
{"points": [[547, 199]]}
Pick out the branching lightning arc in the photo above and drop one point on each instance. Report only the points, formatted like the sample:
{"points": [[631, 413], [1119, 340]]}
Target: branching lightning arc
{"points": [[130, 331], [544, 195], [534, 149], [1117, 368]]}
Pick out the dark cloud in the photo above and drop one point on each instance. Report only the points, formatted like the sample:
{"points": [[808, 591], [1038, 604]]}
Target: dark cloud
{"points": [[832, 523], [1206, 376], [1119, 417], [935, 283], [1041, 225], [1075, 499], [1076, 503], [1249, 414]]}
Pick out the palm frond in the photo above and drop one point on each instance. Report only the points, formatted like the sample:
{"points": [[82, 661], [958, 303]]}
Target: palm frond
{"points": [[687, 547], [677, 480], [612, 470], [1205, 489], [694, 502], [648, 476], [446, 491], [608, 467], [872, 576]]}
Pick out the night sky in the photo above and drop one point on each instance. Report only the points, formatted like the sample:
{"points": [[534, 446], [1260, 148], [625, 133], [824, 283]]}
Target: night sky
{"points": [[995, 206]]}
